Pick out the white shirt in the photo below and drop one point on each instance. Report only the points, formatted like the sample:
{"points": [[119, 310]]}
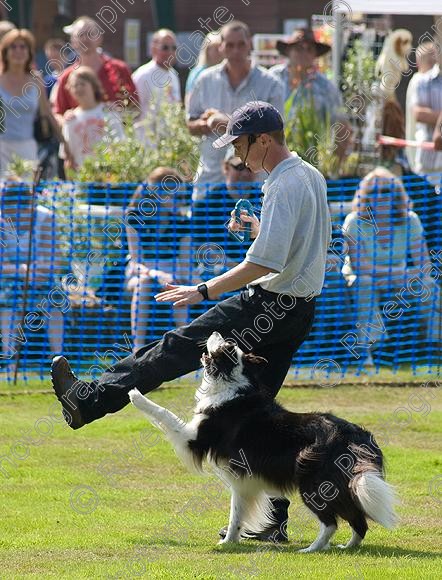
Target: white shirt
{"points": [[429, 94], [155, 84], [295, 230], [86, 128], [410, 121], [15, 246]]}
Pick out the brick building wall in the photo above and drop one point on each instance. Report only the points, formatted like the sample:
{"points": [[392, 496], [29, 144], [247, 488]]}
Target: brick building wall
{"points": [[261, 15], [113, 39], [44, 19]]}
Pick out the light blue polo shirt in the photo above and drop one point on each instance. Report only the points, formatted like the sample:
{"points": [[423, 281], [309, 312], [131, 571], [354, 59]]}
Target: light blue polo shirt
{"points": [[295, 230]]}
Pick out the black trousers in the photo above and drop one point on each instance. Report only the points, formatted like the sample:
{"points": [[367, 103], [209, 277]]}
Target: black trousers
{"points": [[271, 325]]}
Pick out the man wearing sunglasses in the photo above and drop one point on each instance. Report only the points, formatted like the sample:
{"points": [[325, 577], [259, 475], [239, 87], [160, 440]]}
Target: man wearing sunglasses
{"points": [[157, 81]]}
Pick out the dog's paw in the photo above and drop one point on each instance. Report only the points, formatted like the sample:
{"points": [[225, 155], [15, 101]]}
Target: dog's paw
{"points": [[308, 550], [135, 395], [346, 546], [225, 542], [312, 549]]}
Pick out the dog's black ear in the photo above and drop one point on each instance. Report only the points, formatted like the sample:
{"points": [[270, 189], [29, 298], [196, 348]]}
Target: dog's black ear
{"points": [[252, 367], [253, 364], [254, 359]]}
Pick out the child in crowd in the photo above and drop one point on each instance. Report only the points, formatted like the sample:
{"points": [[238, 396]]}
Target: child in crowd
{"points": [[90, 122]]}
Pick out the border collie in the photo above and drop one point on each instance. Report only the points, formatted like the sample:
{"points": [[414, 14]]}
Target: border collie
{"points": [[316, 453]]}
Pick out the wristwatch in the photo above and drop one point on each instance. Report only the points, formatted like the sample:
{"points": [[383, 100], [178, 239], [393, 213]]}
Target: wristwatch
{"points": [[202, 289]]}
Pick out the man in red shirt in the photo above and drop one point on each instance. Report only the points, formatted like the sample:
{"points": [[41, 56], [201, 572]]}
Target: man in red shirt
{"points": [[114, 74]]}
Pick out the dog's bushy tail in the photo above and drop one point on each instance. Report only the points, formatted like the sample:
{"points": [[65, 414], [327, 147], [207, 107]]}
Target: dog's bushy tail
{"points": [[376, 497]]}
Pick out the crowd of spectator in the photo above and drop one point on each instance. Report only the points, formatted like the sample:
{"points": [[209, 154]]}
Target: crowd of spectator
{"points": [[82, 100]]}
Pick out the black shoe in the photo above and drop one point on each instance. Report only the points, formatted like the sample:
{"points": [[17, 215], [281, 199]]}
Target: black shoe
{"points": [[65, 383], [273, 534]]}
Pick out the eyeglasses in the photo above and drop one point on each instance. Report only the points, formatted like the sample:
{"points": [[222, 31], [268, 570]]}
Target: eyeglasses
{"points": [[22, 46], [238, 166], [168, 47]]}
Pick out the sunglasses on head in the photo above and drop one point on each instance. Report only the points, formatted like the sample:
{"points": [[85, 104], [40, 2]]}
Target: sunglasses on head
{"points": [[168, 46]]}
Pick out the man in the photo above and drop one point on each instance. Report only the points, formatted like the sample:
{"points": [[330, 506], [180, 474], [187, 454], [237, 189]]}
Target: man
{"points": [[5, 27], [437, 134], [427, 109], [428, 115], [114, 75], [425, 60], [220, 90], [54, 65], [283, 273], [157, 81], [301, 78]]}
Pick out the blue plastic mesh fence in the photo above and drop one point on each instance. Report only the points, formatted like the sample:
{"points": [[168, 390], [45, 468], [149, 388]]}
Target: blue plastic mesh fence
{"points": [[97, 255]]}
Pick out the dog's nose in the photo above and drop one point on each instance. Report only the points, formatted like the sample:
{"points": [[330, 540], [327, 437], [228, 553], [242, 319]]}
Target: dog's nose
{"points": [[214, 342]]}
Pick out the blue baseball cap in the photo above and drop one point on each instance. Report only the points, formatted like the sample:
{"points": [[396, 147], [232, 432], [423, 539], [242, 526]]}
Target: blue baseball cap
{"points": [[253, 118]]}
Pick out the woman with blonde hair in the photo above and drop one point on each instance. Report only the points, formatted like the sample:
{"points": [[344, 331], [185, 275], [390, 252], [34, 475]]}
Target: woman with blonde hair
{"points": [[22, 98], [383, 234], [209, 55]]}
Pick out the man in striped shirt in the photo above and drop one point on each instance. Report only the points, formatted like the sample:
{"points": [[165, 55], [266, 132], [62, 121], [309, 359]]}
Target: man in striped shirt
{"points": [[220, 90], [426, 111]]}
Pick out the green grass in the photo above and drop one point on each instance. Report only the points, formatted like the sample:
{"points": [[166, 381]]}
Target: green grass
{"points": [[305, 375], [152, 519]]}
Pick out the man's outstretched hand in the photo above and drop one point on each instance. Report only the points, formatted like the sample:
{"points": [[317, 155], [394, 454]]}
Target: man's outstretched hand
{"points": [[180, 295]]}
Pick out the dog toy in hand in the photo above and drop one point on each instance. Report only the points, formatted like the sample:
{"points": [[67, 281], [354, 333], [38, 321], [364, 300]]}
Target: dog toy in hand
{"points": [[243, 205]]}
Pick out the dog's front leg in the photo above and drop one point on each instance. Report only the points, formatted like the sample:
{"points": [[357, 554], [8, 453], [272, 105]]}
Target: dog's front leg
{"points": [[238, 506], [165, 418]]}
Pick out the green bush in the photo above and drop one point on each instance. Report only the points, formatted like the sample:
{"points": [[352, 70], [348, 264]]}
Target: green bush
{"points": [[358, 72], [312, 137], [130, 161]]}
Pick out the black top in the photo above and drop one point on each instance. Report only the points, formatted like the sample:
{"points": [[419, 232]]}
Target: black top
{"points": [[160, 234], [210, 217]]}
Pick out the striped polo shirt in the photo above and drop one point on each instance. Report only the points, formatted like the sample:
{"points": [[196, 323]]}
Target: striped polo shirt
{"points": [[213, 90], [429, 94]]}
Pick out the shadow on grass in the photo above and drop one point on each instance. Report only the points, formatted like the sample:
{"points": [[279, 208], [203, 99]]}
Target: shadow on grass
{"points": [[366, 550], [376, 550], [251, 546]]}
